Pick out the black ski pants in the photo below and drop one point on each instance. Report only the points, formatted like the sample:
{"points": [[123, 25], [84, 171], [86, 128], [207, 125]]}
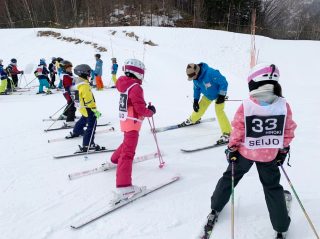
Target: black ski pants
{"points": [[70, 111], [269, 175]]}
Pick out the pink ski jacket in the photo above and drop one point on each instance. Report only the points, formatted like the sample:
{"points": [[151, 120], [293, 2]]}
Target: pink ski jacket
{"points": [[264, 154], [136, 104]]}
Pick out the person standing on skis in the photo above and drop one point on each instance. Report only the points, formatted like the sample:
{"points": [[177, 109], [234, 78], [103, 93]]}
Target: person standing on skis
{"points": [[132, 111], [53, 72], [114, 70], [42, 74], [213, 86], [98, 72], [13, 72], [67, 82], [3, 79], [87, 108], [263, 129]]}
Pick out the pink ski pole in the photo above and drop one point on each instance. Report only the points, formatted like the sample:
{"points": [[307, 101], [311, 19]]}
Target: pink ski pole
{"points": [[152, 126]]}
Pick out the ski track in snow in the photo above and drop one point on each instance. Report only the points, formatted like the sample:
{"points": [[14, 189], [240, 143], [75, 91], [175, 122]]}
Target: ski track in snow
{"points": [[39, 202]]}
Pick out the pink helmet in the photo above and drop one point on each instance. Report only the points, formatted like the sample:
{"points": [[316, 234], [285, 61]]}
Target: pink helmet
{"points": [[134, 67], [264, 72]]}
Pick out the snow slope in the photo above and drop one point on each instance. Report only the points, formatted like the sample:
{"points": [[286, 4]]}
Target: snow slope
{"points": [[39, 202]]}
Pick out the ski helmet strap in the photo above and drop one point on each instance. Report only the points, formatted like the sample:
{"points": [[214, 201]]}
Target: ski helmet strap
{"points": [[273, 68]]}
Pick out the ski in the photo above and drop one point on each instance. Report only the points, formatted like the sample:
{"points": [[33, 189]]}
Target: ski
{"points": [[70, 138], [71, 127], [108, 166], [178, 126], [57, 119], [83, 153], [202, 148], [105, 211]]}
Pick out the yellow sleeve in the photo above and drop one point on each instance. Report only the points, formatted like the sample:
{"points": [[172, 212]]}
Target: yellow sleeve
{"points": [[88, 98]]}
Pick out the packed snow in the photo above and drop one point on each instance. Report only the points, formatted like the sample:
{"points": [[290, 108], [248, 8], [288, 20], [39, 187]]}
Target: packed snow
{"points": [[37, 199]]}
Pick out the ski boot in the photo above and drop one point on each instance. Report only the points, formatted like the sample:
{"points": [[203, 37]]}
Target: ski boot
{"points": [[125, 193], [212, 219], [69, 124], [224, 139], [188, 122], [281, 235], [71, 136], [40, 92], [93, 147], [62, 117]]}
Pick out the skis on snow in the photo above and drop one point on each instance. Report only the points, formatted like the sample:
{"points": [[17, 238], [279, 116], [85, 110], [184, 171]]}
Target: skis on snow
{"points": [[178, 126], [109, 209], [207, 229], [79, 153], [71, 127], [108, 166], [69, 138], [192, 150]]}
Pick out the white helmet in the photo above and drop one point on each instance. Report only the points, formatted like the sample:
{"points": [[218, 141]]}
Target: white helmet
{"points": [[264, 72], [134, 67]]}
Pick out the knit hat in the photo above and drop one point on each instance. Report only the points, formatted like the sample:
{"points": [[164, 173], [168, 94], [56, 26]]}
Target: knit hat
{"points": [[192, 71]]}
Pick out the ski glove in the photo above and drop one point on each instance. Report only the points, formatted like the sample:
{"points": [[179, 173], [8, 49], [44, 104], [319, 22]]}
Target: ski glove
{"points": [[196, 106], [220, 99], [282, 155], [152, 108], [96, 113], [232, 154]]}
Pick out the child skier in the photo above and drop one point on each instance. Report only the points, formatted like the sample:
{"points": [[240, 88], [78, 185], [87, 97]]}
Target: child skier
{"points": [[213, 86], [67, 82], [4, 79], [132, 110], [87, 108], [42, 74], [114, 69], [262, 131], [53, 72], [59, 71], [98, 72], [13, 72]]}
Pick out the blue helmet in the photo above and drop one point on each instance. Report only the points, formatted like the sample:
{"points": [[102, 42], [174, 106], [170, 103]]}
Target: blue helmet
{"points": [[42, 61]]}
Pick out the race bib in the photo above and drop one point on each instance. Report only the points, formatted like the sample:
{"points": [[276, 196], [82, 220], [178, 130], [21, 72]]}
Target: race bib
{"points": [[264, 125]]}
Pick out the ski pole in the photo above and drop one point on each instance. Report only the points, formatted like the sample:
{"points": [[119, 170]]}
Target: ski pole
{"points": [[46, 130], [300, 203], [156, 140], [58, 111], [30, 82], [232, 196], [94, 128]]}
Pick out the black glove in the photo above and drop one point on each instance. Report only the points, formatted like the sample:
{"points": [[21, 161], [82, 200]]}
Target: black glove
{"points": [[282, 155], [220, 99], [232, 155], [196, 105], [152, 108]]}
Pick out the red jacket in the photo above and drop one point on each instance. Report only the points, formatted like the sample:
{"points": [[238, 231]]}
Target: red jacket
{"points": [[136, 104], [67, 83]]}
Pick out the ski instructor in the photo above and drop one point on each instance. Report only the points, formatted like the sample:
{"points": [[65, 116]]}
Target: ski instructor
{"points": [[213, 86]]}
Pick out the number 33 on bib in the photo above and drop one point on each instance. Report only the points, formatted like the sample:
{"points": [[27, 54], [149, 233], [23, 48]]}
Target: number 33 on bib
{"points": [[264, 125]]}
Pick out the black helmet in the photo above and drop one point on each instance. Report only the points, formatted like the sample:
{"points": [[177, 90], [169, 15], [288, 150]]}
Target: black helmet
{"points": [[13, 60], [97, 55], [59, 59], [65, 64], [82, 70]]}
